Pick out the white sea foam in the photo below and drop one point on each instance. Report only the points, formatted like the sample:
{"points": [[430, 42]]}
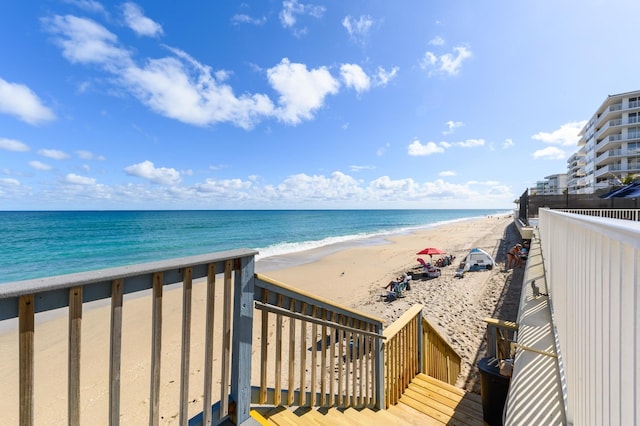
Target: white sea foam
{"points": [[345, 241]]}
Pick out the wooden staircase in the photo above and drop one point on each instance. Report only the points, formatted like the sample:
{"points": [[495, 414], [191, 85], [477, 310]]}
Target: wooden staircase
{"points": [[427, 401]]}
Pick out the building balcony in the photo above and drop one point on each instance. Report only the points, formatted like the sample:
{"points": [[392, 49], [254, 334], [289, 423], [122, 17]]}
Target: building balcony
{"points": [[612, 111], [611, 155], [616, 141], [608, 128], [612, 169]]}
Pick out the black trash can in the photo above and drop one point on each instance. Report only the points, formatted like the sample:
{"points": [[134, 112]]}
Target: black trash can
{"points": [[494, 388]]}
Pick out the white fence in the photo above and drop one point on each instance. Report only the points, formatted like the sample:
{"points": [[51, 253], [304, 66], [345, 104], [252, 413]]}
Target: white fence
{"points": [[593, 272]]}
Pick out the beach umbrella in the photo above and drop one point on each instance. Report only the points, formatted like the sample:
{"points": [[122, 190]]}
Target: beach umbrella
{"points": [[431, 251], [628, 191]]}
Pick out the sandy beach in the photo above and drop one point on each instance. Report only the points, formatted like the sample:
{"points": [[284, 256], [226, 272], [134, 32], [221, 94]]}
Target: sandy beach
{"points": [[352, 277], [456, 307]]}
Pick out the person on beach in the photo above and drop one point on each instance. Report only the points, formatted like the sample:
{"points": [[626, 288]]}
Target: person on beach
{"points": [[399, 280], [514, 256]]}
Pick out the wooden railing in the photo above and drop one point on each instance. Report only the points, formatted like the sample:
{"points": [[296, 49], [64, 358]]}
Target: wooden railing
{"points": [[439, 359], [314, 352], [500, 335], [402, 353], [24, 299]]}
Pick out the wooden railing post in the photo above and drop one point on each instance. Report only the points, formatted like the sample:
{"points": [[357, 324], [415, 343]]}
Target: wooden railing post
{"points": [[75, 328], [26, 330], [115, 351], [378, 361], [242, 340]]}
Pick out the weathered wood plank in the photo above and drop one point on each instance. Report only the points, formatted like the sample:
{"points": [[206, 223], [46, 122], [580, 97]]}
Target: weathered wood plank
{"points": [[115, 351], [226, 339], [186, 346], [208, 344], [278, 356], [75, 334], [314, 357], [264, 354], [303, 358], [26, 336], [156, 350], [292, 353]]}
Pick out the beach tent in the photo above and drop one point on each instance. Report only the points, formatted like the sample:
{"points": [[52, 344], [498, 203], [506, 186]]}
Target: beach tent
{"points": [[478, 259]]}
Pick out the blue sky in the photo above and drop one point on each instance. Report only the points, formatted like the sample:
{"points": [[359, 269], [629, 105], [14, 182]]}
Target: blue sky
{"points": [[295, 104]]}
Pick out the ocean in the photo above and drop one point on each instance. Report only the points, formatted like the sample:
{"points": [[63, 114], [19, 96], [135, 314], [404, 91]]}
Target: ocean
{"points": [[38, 244]]}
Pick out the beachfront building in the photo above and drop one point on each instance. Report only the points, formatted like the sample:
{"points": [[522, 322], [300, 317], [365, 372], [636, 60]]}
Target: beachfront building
{"points": [[575, 173], [610, 143], [552, 185]]}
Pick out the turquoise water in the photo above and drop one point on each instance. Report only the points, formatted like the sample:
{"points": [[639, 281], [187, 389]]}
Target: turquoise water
{"points": [[40, 244]]}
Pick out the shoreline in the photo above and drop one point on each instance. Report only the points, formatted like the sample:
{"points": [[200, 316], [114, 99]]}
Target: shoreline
{"points": [[351, 276]]}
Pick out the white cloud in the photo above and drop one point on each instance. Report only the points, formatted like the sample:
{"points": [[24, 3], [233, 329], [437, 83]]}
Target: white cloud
{"points": [[79, 180], [337, 186], [246, 19], [301, 91], [358, 29], [508, 143], [383, 149], [39, 165], [167, 86], [291, 9], [383, 77], [416, 148], [135, 19], [21, 102], [549, 153], [355, 168], [354, 77], [9, 182], [451, 126], [88, 155], [54, 154], [88, 5], [224, 186], [566, 135], [87, 42], [436, 41], [447, 173], [146, 170], [470, 143], [13, 145], [448, 63]]}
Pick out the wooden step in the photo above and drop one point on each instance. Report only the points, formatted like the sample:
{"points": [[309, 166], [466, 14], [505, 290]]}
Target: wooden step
{"points": [[412, 416], [426, 401]]}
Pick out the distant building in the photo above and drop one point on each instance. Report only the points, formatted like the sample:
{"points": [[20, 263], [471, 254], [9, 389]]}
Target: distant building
{"points": [[609, 145], [552, 185]]}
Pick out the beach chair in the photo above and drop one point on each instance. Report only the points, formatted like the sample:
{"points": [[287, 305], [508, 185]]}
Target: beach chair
{"points": [[429, 270], [397, 291]]}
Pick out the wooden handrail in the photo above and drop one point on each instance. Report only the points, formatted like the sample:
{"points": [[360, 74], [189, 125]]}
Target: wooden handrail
{"points": [[343, 368], [277, 287], [25, 299], [401, 353], [439, 360], [499, 335]]}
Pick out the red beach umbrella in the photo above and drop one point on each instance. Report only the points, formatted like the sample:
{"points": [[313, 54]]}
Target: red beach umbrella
{"points": [[431, 251]]}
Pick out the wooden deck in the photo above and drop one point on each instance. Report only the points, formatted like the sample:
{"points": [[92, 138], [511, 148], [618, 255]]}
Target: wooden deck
{"points": [[427, 401]]}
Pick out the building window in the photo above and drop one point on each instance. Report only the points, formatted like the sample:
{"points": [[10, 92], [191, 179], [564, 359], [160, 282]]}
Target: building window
{"points": [[633, 132], [633, 117]]}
